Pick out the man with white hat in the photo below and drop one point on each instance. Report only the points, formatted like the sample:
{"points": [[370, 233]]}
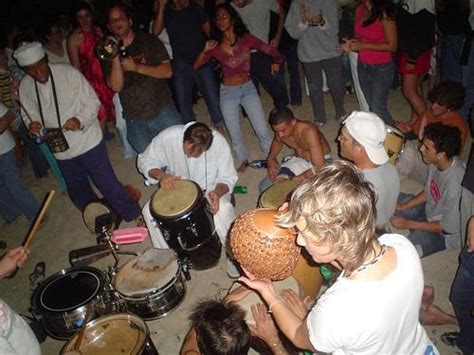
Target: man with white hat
{"points": [[57, 97], [361, 140]]}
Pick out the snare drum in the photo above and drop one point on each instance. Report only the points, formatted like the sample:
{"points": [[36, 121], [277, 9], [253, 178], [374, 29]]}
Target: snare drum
{"points": [[151, 284], [394, 143], [277, 194], [60, 302], [120, 333], [186, 224]]}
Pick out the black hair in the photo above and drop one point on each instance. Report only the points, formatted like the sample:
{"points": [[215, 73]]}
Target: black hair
{"points": [[449, 94], [446, 139], [240, 29], [220, 328], [46, 28], [380, 9], [199, 135], [280, 115], [127, 10]]}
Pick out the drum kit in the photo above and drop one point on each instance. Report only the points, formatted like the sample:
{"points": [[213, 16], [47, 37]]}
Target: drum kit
{"points": [[147, 286]]}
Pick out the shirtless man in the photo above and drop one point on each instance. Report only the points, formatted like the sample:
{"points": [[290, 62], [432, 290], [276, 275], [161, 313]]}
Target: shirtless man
{"points": [[311, 149]]}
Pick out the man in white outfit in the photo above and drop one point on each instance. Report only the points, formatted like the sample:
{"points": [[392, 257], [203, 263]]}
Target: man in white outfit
{"points": [[194, 152]]}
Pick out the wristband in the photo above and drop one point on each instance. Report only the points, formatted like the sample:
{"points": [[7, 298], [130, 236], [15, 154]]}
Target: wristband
{"points": [[274, 303]]}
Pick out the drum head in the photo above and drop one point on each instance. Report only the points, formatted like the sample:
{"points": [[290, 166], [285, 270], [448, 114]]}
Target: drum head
{"points": [[70, 289], [119, 333], [146, 273], [91, 212], [275, 195], [170, 204]]}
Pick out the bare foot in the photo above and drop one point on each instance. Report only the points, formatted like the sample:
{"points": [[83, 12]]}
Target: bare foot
{"points": [[428, 295], [243, 166], [433, 315]]}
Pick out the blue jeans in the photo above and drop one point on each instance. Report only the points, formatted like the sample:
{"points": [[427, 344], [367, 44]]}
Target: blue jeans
{"points": [[450, 54], [140, 133], [95, 164], [426, 243], [246, 95], [121, 124], [293, 67], [274, 84], [462, 298], [184, 78], [15, 198], [468, 83], [376, 81]]}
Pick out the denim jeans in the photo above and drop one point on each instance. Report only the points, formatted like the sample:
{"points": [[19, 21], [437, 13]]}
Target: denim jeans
{"points": [[426, 243], [121, 124], [274, 84], [15, 198], [184, 78], [246, 95], [314, 73], [450, 54], [376, 81], [468, 83], [293, 67], [140, 133], [462, 298]]}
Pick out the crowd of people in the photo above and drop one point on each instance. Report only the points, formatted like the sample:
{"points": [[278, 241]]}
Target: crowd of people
{"points": [[57, 92]]}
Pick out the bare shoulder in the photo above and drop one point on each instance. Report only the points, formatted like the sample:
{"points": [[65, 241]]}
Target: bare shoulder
{"points": [[307, 129], [75, 37]]}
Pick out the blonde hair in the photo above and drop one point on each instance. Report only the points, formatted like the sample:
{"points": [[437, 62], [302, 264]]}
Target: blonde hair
{"points": [[338, 206]]}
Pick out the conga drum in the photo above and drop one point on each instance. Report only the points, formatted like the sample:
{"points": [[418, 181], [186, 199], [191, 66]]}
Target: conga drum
{"points": [[277, 194], [307, 273], [394, 143], [186, 224]]}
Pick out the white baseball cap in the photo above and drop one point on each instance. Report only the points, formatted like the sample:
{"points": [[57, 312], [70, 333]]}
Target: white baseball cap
{"points": [[29, 53]]}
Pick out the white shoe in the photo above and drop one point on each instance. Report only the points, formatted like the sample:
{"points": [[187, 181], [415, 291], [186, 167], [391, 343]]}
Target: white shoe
{"points": [[232, 269]]}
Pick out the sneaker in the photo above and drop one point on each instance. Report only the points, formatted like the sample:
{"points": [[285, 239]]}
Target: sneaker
{"points": [[232, 269], [449, 338]]}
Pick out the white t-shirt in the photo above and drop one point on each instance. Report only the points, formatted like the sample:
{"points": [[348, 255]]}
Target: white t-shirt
{"points": [[256, 16], [386, 183], [374, 317], [53, 58], [7, 142]]}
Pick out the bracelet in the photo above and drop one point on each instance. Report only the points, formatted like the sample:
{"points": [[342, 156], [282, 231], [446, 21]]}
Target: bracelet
{"points": [[274, 303]]}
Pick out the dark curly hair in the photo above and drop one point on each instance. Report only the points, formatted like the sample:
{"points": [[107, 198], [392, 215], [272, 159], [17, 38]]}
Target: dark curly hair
{"points": [[240, 29], [446, 139], [449, 94], [381, 8], [280, 115], [220, 328]]}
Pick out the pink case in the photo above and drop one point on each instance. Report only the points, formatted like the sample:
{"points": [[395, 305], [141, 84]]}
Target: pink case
{"points": [[129, 235]]}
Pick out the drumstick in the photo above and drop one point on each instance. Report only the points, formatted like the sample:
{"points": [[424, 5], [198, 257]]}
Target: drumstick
{"points": [[38, 219], [80, 336]]}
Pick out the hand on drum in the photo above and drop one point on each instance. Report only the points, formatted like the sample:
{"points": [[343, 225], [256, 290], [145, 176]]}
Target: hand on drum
{"points": [[264, 327], [14, 258], [168, 182], [403, 126], [262, 286], [272, 168], [214, 202], [298, 307]]}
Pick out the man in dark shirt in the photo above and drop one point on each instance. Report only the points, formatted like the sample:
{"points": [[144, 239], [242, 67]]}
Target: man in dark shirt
{"points": [[188, 27], [140, 78]]}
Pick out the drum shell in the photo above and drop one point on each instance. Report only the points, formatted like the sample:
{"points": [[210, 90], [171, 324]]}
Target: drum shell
{"points": [[62, 324], [147, 348], [394, 143], [160, 302]]}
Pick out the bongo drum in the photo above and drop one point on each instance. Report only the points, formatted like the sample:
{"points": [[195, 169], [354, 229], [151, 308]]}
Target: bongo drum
{"points": [[186, 224], [394, 143], [277, 194], [262, 247], [307, 273], [120, 333], [94, 210], [151, 284]]}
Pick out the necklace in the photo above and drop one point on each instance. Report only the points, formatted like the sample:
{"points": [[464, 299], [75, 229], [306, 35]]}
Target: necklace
{"points": [[383, 249]]}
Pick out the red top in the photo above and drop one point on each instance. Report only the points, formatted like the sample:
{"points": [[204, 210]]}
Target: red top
{"points": [[373, 33], [238, 63]]}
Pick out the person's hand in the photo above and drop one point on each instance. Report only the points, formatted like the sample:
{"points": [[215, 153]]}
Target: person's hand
{"points": [[304, 13], [400, 222], [403, 126], [275, 42], [209, 46], [260, 285], [237, 295], [168, 182], [129, 64], [272, 168], [264, 328], [35, 128], [354, 44], [298, 307], [72, 124], [344, 47], [214, 203], [400, 207], [319, 19], [14, 258], [274, 68], [470, 235]]}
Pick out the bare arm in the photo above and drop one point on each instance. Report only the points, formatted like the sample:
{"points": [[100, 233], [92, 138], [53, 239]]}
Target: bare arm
{"points": [[5, 121], [203, 56], [275, 41], [115, 78], [73, 43], [159, 22], [415, 201], [190, 345], [272, 162]]}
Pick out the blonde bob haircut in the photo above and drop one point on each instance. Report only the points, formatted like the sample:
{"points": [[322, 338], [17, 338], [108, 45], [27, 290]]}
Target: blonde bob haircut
{"points": [[338, 206]]}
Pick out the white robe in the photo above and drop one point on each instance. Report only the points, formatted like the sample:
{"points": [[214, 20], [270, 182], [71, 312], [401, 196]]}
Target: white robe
{"points": [[214, 166]]}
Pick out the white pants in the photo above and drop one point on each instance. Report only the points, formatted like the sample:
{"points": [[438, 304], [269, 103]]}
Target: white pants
{"points": [[353, 58], [222, 221]]}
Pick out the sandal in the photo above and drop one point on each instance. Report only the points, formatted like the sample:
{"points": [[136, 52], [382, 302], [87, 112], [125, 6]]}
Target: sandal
{"points": [[37, 275]]}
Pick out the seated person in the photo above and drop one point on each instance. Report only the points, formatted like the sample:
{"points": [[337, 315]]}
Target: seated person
{"points": [[194, 152], [433, 215], [16, 337], [219, 327], [361, 141], [311, 150], [373, 306], [446, 98]]}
